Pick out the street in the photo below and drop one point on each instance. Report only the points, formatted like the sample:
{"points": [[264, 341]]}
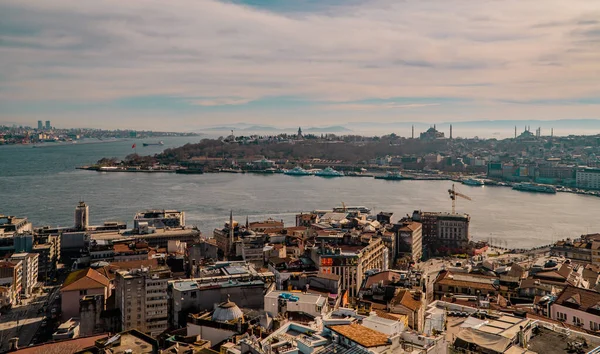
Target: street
{"points": [[24, 320]]}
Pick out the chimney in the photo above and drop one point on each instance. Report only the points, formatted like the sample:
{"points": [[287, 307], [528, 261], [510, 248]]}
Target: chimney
{"points": [[13, 344]]}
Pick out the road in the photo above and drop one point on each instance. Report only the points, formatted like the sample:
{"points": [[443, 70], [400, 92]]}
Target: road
{"points": [[24, 321]]}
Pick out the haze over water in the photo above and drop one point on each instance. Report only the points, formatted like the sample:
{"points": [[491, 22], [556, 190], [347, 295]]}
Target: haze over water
{"points": [[43, 185]]}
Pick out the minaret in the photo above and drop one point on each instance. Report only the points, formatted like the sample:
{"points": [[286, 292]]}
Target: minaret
{"points": [[230, 232], [247, 222], [552, 132], [450, 131], [515, 131], [413, 131]]}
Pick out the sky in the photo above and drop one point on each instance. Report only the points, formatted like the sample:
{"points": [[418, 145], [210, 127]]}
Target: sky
{"points": [[184, 64]]}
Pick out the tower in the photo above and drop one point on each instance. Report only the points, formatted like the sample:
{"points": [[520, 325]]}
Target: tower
{"points": [[413, 131], [299, 132], [230, 232], [40, 125], [552, 132], [82, 213], [450, 131], [515, 131], [48, 126]]}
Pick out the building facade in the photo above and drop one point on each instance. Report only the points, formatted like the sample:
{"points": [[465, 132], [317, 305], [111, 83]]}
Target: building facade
{"points": [[588, 178], [141, 294], [30, 271], [578, 307]]}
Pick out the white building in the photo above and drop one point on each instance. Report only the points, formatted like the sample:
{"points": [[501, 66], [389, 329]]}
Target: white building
{"points": [[30, 270], [280, 302], [383, 325], [588, 178]]}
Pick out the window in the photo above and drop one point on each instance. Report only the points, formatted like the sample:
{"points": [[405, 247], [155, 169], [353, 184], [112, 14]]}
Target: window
{"points": [[193, 294], [82, 292], [577, 321], [561, 316], [594, 326]]}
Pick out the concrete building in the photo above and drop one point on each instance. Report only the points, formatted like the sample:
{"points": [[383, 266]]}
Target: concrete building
{"points": [[238, 281], [444, 232], [14, 225], [279, 302], [90, 311], [7, 297], [82, 216], [141, 294], [159, 218], [79, 284], [351, 262], [587, 178], [411, 304], [48, 126], [226, 321], [40, 125], [465, 284], [48, 248], [577, 307], [30, 270], [11, 276], [409, 241]]}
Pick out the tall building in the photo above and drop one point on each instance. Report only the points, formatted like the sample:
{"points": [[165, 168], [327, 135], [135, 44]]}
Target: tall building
{"points": [[40, 125], [443, 232], [409, 240], [351, 262], [141, 294], [48, 126], [30, 270], [82, 215], [588, 178], [11, 273]]}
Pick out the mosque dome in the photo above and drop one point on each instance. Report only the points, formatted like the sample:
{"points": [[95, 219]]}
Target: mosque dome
{"points": [[227, 311]]}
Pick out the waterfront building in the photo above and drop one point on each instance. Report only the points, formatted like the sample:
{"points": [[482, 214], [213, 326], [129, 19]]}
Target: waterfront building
{"points": [[578, 307], [238, 280], [159, 238], [79, 284], [587, 178], [11, 276], [266, 226], [14, 225], [30, 270], [82, 216], [159, 218], [141, 294], [351, 262]]}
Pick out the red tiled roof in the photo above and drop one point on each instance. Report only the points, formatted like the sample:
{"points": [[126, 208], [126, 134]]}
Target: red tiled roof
{"points": [[64, 346], [405, 298], [85, 279], [578, 298]]}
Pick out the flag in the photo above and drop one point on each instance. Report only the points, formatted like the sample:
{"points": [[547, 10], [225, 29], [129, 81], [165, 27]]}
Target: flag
{"points": [[133, 146]]}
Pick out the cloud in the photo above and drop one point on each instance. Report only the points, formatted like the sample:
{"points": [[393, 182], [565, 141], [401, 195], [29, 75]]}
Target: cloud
{"points": [[211, 54]]}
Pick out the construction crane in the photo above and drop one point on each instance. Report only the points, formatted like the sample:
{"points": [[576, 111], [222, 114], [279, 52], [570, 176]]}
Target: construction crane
{"points": [[453, 195]]}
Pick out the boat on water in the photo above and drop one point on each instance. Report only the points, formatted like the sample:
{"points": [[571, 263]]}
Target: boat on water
{"points": [[472, 182], [298, 171], [393, 176], [160, 143], [329, 172], [533, 187], [189, 171]]}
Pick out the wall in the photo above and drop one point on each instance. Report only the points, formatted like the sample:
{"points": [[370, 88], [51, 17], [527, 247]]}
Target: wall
{"points": [[214, 335], [70, 301], [584, 316]]}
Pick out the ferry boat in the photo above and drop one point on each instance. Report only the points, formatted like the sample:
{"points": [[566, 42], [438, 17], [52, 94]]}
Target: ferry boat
{"points": [[393, 176], [532, 187], [160, 143], [361, 209], [472, 182], [189, 171], [297, 171], [329, 172]]}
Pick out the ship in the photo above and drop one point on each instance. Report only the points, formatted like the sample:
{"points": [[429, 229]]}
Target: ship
{"points": [[393, 176], [352, 209], [532, 187], [160, 143], [329, 172], [472, 182], [189, 171], [297, 171]]}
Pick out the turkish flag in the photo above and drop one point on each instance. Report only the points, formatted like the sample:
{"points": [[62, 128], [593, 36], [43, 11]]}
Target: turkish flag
{"points": [[133, 146]]}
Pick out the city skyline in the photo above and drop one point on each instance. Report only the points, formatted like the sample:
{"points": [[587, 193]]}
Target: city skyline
{"points": [[201, 63]]}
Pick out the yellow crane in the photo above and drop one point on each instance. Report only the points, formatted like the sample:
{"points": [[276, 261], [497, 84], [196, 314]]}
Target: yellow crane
{"points": [[453, 195]]}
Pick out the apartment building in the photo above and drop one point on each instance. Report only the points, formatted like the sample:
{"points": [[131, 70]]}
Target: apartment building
{"points": [[578, 307], [141, 294], [588, 178], [30, 270], [409, 240], [351, 262], [11, 276]]}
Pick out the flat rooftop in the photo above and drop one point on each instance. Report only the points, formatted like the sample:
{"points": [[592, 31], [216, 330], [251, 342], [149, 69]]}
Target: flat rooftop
{"points": [[316, 299], [547, 341]]}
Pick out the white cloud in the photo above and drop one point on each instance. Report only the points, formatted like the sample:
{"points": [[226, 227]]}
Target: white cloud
{"points": [[227, 54]]}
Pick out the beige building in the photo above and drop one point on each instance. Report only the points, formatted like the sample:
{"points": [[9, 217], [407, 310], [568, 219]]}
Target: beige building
{"points": [[453, 230], [351, 262], [48, 248], [409, 241], [141, 294], [30, 271], [79, 284], [11, 276]]}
